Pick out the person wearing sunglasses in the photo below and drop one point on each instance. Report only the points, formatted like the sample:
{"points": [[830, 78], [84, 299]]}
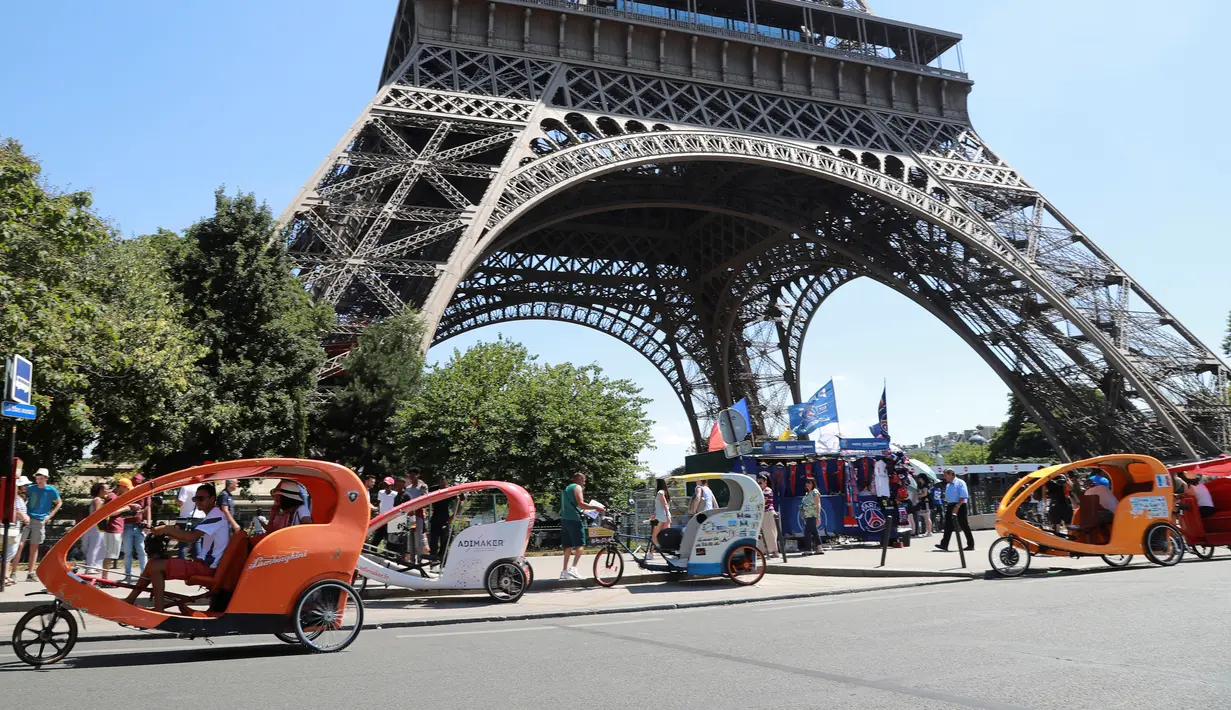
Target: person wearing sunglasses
{"points": [[212, 531]]}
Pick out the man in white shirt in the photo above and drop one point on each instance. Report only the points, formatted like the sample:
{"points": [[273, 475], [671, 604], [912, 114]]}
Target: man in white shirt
{"points": [[212, 532], [385, 499], [188, 511], [1205, 502]]}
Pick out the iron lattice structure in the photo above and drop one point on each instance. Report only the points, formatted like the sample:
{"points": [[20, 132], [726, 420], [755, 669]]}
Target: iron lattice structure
{"points": [[695, 179]]}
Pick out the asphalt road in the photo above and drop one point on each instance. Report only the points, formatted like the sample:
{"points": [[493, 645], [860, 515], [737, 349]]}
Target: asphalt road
{"points": [[1137, 638]]}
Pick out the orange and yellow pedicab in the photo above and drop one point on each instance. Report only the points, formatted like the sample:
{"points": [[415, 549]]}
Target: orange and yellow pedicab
{"points": [[1141, 523]]}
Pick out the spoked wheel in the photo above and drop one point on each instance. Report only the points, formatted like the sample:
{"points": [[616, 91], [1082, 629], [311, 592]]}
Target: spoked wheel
{"points": [[1164, 545], [45, 635], [745, 565], [505, 581], [1204, 552], [608, 566], [1009, 556], [328, 616], [529, 573], [1118, 560], [359, 582]]}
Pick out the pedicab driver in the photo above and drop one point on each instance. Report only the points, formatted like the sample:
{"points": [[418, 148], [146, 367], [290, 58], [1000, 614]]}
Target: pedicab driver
{"points": [[572, 502], [214, 533]]}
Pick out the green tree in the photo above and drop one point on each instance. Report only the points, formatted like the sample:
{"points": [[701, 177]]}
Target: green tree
{"points": [[46, 311], [493, 412], [355, 427], [141, 399], [1019, 439], [1226, 342], [261, 335], [966, 454]]}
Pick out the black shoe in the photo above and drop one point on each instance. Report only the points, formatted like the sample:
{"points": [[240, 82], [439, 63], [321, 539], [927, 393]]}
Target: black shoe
{"points": [[942, 548], [969, 549]]}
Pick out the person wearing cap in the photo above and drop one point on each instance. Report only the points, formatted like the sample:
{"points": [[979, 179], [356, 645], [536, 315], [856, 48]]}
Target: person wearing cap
{"points": [[213, 534], [956, 497], [385, 498], [12, 543], [136, 517], [1100, 489], [289, 507], [42, 503]]}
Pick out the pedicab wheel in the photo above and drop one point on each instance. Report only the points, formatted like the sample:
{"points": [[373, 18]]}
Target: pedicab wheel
{"points": [[328, 616], [745, 565], [505, 581], [1164, 545], [1204, 552], [1118, 560], [359, 582], [529, 573], [608, 566], [1009, 556], [45, 635]]}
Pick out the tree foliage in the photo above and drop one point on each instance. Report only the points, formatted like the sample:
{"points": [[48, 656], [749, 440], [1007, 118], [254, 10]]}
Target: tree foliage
{"points": [[260, 333], [1019, 439], [494, 412], [966, 454], [355, 426]]}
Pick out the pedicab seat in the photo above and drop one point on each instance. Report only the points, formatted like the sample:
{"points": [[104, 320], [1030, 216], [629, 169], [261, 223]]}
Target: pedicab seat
{"points": [[222, 582], [669, 539], [1220, 493]]}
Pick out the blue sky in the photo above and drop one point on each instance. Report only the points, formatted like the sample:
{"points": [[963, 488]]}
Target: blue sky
{"points": [[1115, 109]]}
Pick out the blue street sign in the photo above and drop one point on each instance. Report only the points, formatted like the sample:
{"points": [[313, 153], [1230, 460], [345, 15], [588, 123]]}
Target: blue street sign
{"points": [[17, 410], [20, 377], [788, 447]]}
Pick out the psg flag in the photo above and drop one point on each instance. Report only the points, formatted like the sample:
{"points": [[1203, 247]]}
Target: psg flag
{"points": [[881, 429]]}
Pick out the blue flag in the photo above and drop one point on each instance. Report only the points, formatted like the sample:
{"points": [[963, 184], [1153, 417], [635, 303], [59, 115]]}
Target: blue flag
{"points": [[819, 410], [742, 407], [881, 429]]}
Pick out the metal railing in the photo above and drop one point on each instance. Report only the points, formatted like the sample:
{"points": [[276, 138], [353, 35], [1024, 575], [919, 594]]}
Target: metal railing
{"points": [[799, 46]]}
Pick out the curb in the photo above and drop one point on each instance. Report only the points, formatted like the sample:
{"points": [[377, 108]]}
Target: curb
{"points": [[882, 572], [454, 621]]}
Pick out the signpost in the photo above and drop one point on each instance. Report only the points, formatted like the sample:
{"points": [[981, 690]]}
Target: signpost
{"points": [[18, 392]]}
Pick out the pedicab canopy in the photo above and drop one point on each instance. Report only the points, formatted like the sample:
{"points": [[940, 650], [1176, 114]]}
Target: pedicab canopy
{"points": [[269, 578], [1218, 467]]}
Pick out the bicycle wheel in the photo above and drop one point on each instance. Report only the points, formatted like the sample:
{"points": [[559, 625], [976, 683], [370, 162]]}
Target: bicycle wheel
{"points": [[45, 635], [505, 581], [328, 616], [1118, 560], [1164, 545], [1009, 556], [608, 566], [529, 573], [745, 565], [1204, 552]]}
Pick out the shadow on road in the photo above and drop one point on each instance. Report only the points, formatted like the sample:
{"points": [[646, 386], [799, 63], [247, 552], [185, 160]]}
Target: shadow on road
{"points": [[129, 659]]}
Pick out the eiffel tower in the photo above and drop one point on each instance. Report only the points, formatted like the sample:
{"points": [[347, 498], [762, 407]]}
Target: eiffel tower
{"points": [[694, 178]]}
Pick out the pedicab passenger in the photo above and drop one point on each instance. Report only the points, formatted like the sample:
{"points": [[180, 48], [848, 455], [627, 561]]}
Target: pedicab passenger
{"points": [[1100, 489], [289, 507], [212, 531], [1205, 502]]}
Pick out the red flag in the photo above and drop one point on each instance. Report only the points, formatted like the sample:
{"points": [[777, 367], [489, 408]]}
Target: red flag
{"points": [[716, 442]]}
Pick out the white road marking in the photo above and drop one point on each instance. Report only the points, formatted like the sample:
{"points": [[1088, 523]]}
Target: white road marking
{"points": [[610, 623], [482, 631], [845, 599]]}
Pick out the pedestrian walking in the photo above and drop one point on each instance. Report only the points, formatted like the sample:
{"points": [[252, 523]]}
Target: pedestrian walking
{"points": [[92, 541], [956, 497], [132, 542], [226, 502], [384, 503], [769, 523], [113, 537], [12, 543], [438, 525], [662, 514], [572, 502], [369, 485], [42, 503], [923, 504], [810, 511]]}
